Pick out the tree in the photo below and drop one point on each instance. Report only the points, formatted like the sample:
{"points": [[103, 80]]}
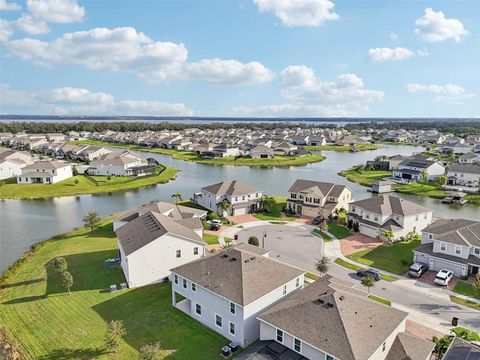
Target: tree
{"points": [[424, 177], [267, 203], [115, 331], [67, 280], [476, 284], [224, 205], [60, 264], [177, 196], [381, 157], [388, 236], [441, 345], [322, 265], [441, 180], [368, 281], [91, 220], [75, 181], [253, 240], [151, 352]]}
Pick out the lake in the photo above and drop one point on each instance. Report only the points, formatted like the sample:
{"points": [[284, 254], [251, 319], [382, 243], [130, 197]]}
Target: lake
{"points": [[24, 222]]}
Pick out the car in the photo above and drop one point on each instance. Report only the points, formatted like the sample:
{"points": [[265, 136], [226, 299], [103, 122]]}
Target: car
{"points": [[318, 220], [417, 269], [443, 277], [215, 222], [369, 272]]}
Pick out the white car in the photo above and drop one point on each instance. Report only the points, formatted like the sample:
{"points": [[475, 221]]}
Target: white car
{"points": [[443, 277], [215, 222]]}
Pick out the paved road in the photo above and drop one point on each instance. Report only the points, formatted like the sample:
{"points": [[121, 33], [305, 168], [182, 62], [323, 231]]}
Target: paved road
{"points": [[296, 246]]}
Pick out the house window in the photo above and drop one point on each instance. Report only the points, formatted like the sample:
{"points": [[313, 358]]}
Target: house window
{"points": [[243, 197], [184, 283], [232, 308], [198, 309], [430, 236], [236, 198], [293, 196], [194, 287], [297, 282], [477, 251], [329, 357], [368, 216], [179, 253], [195, 250], [279, 336], [416, 218], [443, 246], [297, 345], [384, 346], [175, 277], [284, 289], [232, 328], [218, 320], [458, 250], [376, 218]]}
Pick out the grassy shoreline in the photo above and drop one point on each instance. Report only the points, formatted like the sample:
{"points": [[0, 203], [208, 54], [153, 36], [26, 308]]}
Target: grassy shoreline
{"points": [[277, 161], [362, 147], [84, 185]]}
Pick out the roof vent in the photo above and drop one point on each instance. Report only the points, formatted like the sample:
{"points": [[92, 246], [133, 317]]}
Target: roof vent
{"points": [[341, 297], [233, 259], [224, 255]]}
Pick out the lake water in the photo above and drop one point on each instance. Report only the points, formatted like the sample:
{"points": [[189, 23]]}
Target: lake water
{"points": [[24, 222]]}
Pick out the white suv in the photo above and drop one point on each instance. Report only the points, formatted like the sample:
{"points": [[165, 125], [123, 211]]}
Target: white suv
{"points": [[443, 277]]}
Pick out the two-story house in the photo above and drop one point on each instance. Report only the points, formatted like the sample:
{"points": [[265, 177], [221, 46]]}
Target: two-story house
{"points": [[411, 170], [469, 158], [227, 291], [464, 175], [241, 198], [452, 244], [328, 321], [157, 237], [117, 164], [386, 213], [45, 172], [313, 198]]}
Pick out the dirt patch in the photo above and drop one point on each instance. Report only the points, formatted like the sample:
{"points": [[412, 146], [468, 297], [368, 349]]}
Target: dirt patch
{"points": [[358, 242]]}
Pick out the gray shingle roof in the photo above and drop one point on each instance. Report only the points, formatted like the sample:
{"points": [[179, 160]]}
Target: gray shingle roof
{"points": [[240, 274], [338, 321], [387, 204], [233, 187], [462, 350], [456, 231], [466, 168], [317, 187], [410, 347]]}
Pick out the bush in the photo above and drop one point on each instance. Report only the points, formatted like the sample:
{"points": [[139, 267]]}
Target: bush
{"points": [[253, 240], [213, 216], [350, 224], [405, 262], [356, 226]]}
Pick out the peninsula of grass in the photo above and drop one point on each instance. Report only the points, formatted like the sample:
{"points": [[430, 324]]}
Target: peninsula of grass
{"points": [[395, 258], [364, 177], [277, 161], [361, 147], [81, 185], [277, 211], [47, 323], [322, 234]]}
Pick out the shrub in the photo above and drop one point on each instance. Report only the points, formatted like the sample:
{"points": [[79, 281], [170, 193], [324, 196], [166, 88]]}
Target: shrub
{"points": [[213, 216], [253, 240], [350, 224], [356, 226], [60, 264]]}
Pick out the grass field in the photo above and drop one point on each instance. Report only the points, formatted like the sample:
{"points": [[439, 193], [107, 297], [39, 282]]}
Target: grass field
{"points": [[395, 258], [468, 303], [364, 177], [338, 231], [324, 236], [241, 161], [276, 211], [363, 147], [210, 239], [49, 324], [466, 289], [380, 300], [12, 190]]}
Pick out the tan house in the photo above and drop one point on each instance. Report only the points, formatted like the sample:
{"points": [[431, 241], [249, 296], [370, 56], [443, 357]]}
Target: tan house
{"points": [[313, 198]]}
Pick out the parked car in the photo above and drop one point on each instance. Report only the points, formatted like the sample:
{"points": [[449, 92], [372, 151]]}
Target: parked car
{"points": [[443, 277], [214, 224], [417, 269], [373, 273], [318, 220]]}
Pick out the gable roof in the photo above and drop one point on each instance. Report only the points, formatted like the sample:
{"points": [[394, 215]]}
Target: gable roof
{"points": [[322, 189], [233, 187], [387, 204], [410, 347], [240, 274], [457, 231], [462, 350], [465, 168], [356, 326], [174, 211]]}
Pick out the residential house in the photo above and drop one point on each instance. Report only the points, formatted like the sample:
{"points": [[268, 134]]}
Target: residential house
{"points": [[261, 152], [331, 321], [469, 158], [155, 238], [466, 176], [285, 148], [316, 140], [382, 186], [350, 140], [227, 291], [412, 170], [386, 213], [452, 244], [45, 172], [462, 350], [92, 152], [241, 198], [313, 198], [120, 164], [395, 161], [12, 162]]}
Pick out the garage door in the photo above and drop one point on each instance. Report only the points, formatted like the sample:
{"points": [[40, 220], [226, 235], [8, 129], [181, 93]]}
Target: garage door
{"points": [[365, 230], [422, 258], [241, 211], [438, 264]]}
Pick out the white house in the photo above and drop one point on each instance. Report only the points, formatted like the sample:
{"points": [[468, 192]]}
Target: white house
{"points": [[469, 158], [154, 239], [45, 172], [241, 198], [12, 162], [466, 176], [411, 170], [262, 152], [386, 213], [330, 321], [452, 244], [227, 291], [116, 164], [313, 198]]}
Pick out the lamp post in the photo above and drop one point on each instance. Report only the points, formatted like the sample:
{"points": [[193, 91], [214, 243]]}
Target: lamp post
{"points": [[263, 239]]}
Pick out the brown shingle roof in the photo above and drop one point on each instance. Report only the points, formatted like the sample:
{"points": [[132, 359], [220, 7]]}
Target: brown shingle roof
{"points": [[239, 274], [317, 187], [409, 347], [233, 187], [387, 204]]}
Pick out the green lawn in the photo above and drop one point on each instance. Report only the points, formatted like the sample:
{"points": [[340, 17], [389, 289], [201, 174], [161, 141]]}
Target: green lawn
{"points": [[395, 258], [338, 231], [210, 239], [364, 177], [429, 189], [324, 236], [311, 276], [466, 289], [12, 190], [276, 211], [468, 303], [241, 161], [354, 267], [49, 324], [380, 300], [362, 147]]}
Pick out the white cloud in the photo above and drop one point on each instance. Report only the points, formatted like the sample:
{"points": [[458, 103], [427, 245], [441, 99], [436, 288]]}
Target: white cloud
{"points": [[394, 36], [450, 93], [293, 110], [6, 30], [299, 12], [229, 72], [127, 50], [31, 25], [8, 6], [56, 11], [435, 27], [79, 101], [393, 54]]}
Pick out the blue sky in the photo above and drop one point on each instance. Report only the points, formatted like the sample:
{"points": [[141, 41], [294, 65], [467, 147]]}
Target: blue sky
{"points": [[301, 58]]}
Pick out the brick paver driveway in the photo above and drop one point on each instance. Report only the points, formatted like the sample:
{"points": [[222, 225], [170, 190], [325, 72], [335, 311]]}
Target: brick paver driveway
{"points": [[358, 242], [241, 219], [428, 277]]}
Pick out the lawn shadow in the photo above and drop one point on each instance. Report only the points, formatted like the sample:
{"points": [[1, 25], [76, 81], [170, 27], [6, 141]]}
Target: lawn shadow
{"points": [[66, 354], [21, 283], [104, 231]]}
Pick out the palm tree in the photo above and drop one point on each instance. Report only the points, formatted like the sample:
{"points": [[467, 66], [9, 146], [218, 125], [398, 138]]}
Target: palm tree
{"points": [[388, 235], [424, 177], [177, 196], [224, 205], [441, 345]]}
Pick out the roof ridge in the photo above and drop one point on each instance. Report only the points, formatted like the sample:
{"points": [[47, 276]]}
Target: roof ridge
{"points": [[350, 347]]}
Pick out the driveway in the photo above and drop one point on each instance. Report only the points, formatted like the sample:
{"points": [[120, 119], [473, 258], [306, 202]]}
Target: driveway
{"points": [[358, 242], [429, 276]]}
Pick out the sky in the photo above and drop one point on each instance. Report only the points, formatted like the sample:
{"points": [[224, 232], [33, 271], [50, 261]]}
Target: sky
{"points": [[251, 58]]}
